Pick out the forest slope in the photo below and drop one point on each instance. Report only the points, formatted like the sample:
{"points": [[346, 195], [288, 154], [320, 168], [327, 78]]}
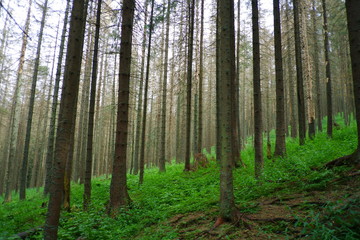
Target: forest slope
{"points": [[295, 198]]}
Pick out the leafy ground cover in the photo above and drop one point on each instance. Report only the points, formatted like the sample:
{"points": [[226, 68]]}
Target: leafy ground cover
{"points": [[295, 199]]}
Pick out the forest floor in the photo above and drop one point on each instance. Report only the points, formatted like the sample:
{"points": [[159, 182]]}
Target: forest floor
{"points": [[282, 216], [295, 198]]}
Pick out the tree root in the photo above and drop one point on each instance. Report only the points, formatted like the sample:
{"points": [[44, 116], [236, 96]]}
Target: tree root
{"points": [[348, 160]]}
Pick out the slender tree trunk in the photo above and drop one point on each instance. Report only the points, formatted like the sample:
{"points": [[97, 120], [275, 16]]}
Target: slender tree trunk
{"points": [[51, 142], [328, 74], [189, 82], [258, 125], [162, 159], [89, 153], [201, 80], [15, 111], [24, 166], [66, 114], [142, 150], [299, 74], [317, 69], [280, 147], [138, 116]]}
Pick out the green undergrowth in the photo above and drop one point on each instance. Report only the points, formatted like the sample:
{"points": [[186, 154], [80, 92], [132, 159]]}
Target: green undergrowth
{"points": [[164, 195]]}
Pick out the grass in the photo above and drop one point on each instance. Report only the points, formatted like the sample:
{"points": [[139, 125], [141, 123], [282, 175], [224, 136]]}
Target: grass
{"points": [[164, 195]]}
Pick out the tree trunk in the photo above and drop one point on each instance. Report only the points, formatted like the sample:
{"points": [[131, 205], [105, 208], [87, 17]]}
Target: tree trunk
{"points": [[226, 71], [24, 166], [317, 69], [353, 19], [189, 82], [15, 111], [259, 161], [50, 148], [66, 114], [280, 147], [142, 150], [328, 74], [138, 116], [162, 159], [118, 189], [299, 74], [89, 153]]}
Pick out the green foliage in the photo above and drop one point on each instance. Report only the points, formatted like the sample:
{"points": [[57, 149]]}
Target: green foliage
{"points": [[164, 195], [339, 220]]}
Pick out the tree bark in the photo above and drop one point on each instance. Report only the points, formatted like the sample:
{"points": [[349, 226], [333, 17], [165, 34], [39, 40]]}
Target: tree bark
{"points": [[14, 115], [51, 142], [24, 166], [258, 123], [299, 74], [142, 150], [328, 74], [353, 19], [118, 189], [89, 153], [226, 71], [66, 114], [280, 147]]}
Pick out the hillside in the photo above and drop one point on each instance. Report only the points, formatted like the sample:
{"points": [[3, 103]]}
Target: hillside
{"points": [[295, 199]]}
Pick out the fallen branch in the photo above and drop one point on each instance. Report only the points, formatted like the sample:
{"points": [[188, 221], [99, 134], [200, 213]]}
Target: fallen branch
{"points": [[28, 233]]}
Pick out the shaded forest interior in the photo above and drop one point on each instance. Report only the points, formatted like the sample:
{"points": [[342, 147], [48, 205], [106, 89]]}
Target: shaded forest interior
{"points": [[195, 119]]}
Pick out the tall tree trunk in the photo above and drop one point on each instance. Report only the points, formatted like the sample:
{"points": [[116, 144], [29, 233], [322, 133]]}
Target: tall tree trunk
{"points": [[66, 114], [353, 19], [138, 116], [142, 150], [226, 71], [258, 125], [289, 66], [162, 159], [201, 80], [189, 82], [89, 153], [317, 69], [24, 166], [299, 73], [50, 148], [280, 147], [118, 189], [328, 73], [15, 111]]}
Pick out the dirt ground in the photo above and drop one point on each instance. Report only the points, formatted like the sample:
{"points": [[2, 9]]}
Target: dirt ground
{"points": [[271, 217]]}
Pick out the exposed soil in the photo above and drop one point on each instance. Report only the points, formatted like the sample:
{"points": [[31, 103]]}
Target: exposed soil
{"points": [[272, 217]]}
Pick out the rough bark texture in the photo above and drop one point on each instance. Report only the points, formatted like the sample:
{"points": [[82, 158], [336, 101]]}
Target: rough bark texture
{"points": [[14, 115], [50, 148], [89, 153], [258, 142], [226, 72], [66, 114], [299, 74], [316, 68], [118, 188], [280, 148], [189, 82], [142, 150], [138, 115], [328, 73], [24, 166], [162, 157], [201, 76], [353, 18]]}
